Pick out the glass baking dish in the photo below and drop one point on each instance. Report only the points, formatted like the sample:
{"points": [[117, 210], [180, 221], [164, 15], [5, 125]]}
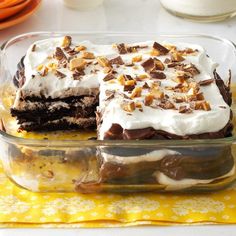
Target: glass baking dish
{"points": [[61, 163]]}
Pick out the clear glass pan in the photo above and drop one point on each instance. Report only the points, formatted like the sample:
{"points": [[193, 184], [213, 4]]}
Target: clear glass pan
{"points": [[83, 165]]}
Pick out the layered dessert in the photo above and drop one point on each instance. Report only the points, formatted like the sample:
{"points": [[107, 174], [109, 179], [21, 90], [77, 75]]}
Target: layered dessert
{"points": [[140, 91], [56, 91], [170, 92]]}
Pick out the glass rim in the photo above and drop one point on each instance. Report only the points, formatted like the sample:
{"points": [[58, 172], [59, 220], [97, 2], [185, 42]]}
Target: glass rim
{"points": [[5, 44], [118, 143]]}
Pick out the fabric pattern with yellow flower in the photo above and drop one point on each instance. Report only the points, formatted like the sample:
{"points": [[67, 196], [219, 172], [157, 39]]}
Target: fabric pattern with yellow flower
{"points": [[21, 208]]}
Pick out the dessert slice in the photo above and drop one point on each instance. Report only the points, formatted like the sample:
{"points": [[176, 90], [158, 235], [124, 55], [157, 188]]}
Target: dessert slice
{"points": [[164, 92], [57, 86]]}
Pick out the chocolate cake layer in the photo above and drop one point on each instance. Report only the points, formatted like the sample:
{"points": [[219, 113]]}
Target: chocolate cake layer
{"points": [[45, 111], [74, 114], [61, 124]]}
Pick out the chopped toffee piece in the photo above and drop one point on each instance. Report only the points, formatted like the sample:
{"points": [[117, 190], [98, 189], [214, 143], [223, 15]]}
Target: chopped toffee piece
{"points": [[103, 61], [188, 51], [200, 96], [200, 105], [184, 109], [59, 74], [141, 77], [136, 92], [77, 63], [110, 94], [129, 87], [129, 77], [66, 41], [88, 55], [108, 77], [148, 99], [146, 86], [76, 76], [121, 79], [159, 65], [157, 94], [128, 106], [179, 99], [176, 57], [149, 64], [137, 58], [129, 64], [122, 48], [161, 49], [192, 69], [206, 82], [70, 51], [59, 54], [116, 61], [179, 79], [33, 48], [174, 65], [79, 71], [108, 70], [44, 71], [167, 105], [157, 75], [206, 106], [135, 48], [80, 48]]}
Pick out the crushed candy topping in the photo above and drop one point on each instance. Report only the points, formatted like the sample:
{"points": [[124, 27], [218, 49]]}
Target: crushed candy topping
{"points": [[147, 85]]}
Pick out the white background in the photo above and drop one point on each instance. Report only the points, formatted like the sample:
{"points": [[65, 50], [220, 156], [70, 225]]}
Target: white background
{"points": [[129, 16], [116, 15]]}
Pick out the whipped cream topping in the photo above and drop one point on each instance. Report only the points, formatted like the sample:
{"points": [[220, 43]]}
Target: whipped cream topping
{"points": [[172, 184], [169, 120], [50, 85]]}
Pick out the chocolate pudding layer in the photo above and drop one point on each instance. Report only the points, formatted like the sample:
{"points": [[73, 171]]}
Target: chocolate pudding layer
{"points": [[140, 165]]}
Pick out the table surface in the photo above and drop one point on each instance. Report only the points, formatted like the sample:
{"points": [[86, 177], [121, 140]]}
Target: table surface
{"points": [[123, 16]]}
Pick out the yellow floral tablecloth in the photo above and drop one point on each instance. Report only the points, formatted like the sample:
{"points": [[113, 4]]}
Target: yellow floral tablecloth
{"points": [[21, 208]]}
